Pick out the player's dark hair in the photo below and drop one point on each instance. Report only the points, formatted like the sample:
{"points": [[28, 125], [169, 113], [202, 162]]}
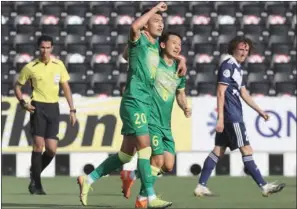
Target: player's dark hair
{"points": [[165, 36], [239, 39], [147, 10], [45, 38]]}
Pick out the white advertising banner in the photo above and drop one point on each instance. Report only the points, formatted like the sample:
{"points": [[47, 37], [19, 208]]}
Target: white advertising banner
{"points": [[276, 135]]}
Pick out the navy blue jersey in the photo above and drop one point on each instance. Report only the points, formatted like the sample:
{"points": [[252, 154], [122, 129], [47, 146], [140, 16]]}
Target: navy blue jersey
{"points": [[230, 73]]}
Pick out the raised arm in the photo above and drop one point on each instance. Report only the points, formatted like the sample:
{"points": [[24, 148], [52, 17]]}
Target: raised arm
{"points": [[249, 100], [138, 24]]}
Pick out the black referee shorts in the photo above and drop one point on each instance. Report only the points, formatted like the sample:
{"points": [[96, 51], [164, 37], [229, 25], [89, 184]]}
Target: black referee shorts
{"points": [[45, 120]]}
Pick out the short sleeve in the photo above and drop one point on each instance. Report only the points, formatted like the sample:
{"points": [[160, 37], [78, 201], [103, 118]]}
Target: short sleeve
{"points": [[136, 42], [182, 84], [64, 74], [225, 74], [24, 76]]}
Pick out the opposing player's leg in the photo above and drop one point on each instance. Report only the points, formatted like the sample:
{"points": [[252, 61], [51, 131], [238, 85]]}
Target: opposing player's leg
{"points": [[221, 142], [240, 140]]}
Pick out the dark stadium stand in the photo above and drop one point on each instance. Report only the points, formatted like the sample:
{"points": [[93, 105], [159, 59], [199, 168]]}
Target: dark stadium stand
{"points": [[90, 38]]}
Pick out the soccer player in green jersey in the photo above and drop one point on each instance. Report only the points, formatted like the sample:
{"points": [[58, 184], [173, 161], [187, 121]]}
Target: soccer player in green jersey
{"points": [[143, 56], [168, 86]]}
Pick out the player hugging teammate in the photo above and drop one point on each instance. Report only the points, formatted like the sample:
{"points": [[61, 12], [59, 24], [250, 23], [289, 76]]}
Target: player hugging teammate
{"points": [[143, 58]]}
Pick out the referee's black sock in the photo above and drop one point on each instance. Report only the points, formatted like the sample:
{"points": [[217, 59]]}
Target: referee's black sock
{"points": [[46, 160], [36, 160]]}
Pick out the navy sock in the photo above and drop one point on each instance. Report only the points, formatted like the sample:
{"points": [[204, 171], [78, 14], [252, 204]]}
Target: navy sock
{"points": [[209, 164], [252, 168]]}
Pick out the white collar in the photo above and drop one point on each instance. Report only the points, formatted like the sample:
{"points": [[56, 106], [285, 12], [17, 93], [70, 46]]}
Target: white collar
{"points": [[235, 61]]}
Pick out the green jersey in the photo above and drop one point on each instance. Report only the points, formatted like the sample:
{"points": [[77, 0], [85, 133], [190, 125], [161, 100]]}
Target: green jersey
{"points": [[143, 62], [166, 83]]}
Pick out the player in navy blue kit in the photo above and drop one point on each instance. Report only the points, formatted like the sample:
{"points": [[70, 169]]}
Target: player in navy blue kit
{"points": [[230, 129]]}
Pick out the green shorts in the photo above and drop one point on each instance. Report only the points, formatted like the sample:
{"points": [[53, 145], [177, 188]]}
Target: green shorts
{"points": [[161, 140], [134, 115]]}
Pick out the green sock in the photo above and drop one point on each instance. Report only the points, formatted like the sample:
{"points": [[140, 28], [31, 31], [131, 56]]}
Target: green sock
{"points": [[110, 164], [155, 172], [144, 170]]}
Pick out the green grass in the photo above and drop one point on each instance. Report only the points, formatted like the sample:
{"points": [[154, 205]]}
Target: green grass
{"points": [[62, 192]]}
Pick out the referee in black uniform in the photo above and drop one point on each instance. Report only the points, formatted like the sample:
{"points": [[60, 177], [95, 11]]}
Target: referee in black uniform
{"points": [[45, 75]]}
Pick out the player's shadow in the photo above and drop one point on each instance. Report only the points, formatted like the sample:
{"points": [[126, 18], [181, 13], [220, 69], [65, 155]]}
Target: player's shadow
{"points": [[54, 206]]}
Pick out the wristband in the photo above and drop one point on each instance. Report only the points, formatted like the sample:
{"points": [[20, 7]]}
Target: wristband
{"points": [[73, 110]]}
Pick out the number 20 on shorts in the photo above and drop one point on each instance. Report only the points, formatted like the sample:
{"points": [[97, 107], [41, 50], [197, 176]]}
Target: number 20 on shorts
{"points": [[140, 118]]}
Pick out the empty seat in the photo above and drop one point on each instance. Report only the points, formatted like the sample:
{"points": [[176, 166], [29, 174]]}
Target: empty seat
{"points": [[26, 29], [78, 88], [276, 8], [257, 88], [202, 8], [27, 8], [77, 8], [102, 8], [52, 8], [206, 67], [284, 83], [51, 30], [252, 8], [78, 68], [283, 68], [101, 29], [256, 68], [206, 89], [76, 29]]}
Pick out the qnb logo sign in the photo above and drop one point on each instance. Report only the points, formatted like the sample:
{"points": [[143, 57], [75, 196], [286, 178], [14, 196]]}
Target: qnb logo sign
{"points": [[212, 122], [276, 124]]}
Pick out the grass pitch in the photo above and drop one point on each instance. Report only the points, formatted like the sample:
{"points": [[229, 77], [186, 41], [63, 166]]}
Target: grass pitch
{"points": [[231, 192]]}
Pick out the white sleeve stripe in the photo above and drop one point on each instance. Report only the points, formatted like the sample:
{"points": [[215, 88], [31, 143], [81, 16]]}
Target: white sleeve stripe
{"points": [[223, 83]]}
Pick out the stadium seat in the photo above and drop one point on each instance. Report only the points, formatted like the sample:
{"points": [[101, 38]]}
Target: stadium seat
{"points": [[202, 8], [79, 88], [102, 8], [284, 83], [256, 78], [259, 88], [206, 89], [51, 30], [226, 8], [77, 8], [252, 8], [78, 68], [104, 68], [283, 68], [276, 8], [76, 30], [26, 29], [101, 29], [256, 68], [27, 8], [6, 8], [279, 29], [177, 9], [206, 67], [52, 8]]}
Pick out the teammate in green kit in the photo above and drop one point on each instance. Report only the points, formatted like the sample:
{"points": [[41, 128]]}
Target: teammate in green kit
{"points": [[143, 56], [168, 85]]}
